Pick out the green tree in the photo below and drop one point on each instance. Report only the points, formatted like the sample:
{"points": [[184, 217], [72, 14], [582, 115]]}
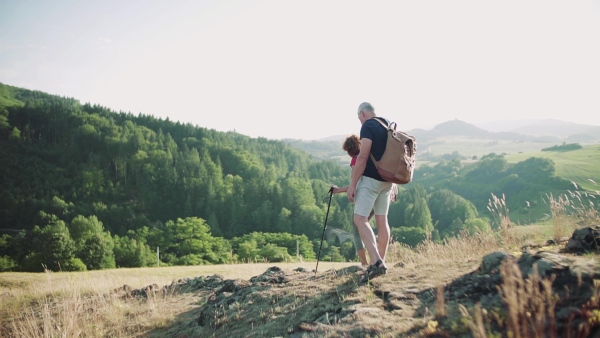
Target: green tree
{"points": [[274, 253], [131, 253], [247, 247], [82, 228], [418, 215], [15, 134], [7, 263], [411, 236], [477, 225], [347, 250], [191, 236], [97, 252], [248, 251], [309, 221], [534, 169], [284, 222], [5, 244], [298, 193], [488, 168], [93, 245], [448, 208], [4, 118], [333, 254], [52, 248]]}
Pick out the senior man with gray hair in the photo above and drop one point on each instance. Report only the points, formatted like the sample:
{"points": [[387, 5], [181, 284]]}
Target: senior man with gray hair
{"points": [[368, 191]]}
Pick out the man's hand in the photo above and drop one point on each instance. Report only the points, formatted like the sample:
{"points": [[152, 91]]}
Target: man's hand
{"points": [[351, 192]]}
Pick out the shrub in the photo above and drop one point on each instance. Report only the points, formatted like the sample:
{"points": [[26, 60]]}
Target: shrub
{"points": [[6, 263], [274, 253], [73, 264], [190, 259], [334, 255], [409, 235]]}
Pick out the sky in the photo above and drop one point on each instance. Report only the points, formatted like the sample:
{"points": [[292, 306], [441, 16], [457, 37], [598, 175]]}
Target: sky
{"points": [[299, 69]]}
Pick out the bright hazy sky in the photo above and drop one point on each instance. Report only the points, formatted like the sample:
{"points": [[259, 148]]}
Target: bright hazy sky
{"points": [[299, 69]]}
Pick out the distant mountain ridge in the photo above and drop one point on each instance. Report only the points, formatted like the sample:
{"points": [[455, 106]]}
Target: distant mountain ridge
{"points": [[543, 130], [467, 130], [540, 127], [473, 140]]}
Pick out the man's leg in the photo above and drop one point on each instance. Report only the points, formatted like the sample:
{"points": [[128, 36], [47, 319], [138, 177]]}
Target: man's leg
{"points": [[368, 237], [368, 191], [383, 235], [381, 207]]}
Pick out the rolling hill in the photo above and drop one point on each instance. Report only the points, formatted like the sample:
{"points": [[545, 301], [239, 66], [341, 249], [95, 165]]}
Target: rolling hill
{"points": [[472, 141]]}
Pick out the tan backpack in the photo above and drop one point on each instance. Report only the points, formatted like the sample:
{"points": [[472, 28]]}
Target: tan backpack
{"points": [[397, 163]]}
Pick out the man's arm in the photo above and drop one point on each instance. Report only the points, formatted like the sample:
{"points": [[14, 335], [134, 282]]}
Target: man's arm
{"points": [[359, 167]]}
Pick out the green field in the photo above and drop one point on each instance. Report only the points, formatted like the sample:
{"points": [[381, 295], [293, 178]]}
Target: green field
{"points": [[580, 166], [470, 147]]}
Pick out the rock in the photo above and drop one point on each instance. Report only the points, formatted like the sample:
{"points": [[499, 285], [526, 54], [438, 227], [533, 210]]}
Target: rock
{"points": [[584, 239], [491, 262]]}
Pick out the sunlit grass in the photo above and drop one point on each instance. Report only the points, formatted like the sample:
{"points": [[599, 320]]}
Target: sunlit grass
{"points": [[83, 304]]}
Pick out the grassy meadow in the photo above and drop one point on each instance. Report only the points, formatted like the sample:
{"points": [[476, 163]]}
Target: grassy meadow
{"points": [[470, 147], [581, 166]]}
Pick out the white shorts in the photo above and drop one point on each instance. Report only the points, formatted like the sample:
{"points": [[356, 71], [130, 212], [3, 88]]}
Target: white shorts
{"points": [[372, 194]]}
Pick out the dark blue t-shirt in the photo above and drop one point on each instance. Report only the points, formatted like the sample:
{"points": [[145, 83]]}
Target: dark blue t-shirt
{"points": [[375, 132]]}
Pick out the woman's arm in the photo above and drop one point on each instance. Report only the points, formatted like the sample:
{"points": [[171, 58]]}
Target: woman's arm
{"points": [[337, 190]]}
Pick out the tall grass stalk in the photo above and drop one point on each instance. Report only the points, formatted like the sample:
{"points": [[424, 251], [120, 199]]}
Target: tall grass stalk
{"points": [[500, 213], [530, 302], [572, 210]]}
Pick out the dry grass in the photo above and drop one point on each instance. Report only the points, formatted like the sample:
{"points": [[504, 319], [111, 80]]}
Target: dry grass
{"points": [[497, 207], [529, 309], [468, 248], [529, 306], [82, 304], [463, 248], [530, 303], [572, 210]]}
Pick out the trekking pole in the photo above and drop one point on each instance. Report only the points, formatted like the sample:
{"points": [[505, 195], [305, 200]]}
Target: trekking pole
{"points": [[324, 227]]}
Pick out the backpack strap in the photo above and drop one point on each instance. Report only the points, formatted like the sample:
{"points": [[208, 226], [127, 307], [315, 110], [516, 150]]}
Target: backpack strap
{"points": [[387, 127]]}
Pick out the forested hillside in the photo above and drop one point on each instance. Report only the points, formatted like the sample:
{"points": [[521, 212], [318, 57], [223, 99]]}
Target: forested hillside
{"points": [[62, 160], [84, 187], [66, 158]]}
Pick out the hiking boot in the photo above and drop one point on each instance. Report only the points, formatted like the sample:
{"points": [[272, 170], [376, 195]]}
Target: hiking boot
{"points": [[375, 270]]}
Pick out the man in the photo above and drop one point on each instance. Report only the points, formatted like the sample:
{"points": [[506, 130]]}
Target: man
{"points": [[368, 191]]}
